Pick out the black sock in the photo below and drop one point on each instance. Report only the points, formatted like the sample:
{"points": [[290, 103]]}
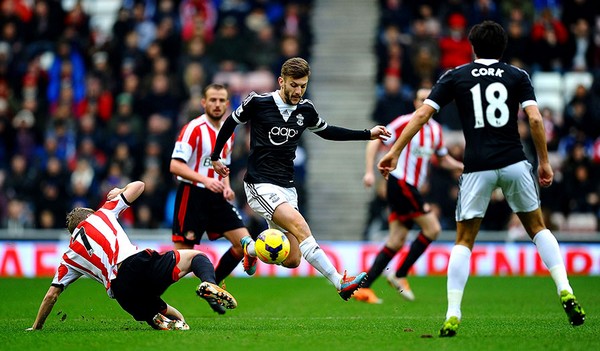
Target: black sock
{"points": [[381, 261], [203, 268], [416, 250], [226, 265]]}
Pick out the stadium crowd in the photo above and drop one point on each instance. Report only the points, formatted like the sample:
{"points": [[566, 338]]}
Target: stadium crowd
{"points": [[83, 111]]}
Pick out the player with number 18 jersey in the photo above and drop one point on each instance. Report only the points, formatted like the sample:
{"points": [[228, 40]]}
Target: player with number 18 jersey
{"points": [[487, 110]]}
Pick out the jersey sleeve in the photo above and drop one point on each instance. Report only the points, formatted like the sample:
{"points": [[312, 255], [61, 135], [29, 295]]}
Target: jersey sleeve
{"points": [[442, 92], [244, 112], [115, 206], [313, 122], [185, 144], [65, 275], [526, 93]]}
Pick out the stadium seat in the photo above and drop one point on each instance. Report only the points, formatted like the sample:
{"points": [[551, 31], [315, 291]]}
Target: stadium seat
{"points": [[573, 79], [551, 99], [547, 82], [581, 223]]}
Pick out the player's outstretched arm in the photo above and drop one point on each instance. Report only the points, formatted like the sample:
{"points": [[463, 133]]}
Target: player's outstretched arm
{"points": [[538, 134], [46, 307], [130, 191]]}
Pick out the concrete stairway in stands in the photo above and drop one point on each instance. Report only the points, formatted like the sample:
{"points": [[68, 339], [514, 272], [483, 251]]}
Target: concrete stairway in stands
{"points": [[342, 88]]}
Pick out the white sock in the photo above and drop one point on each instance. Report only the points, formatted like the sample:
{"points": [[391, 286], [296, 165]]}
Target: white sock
{"points": [[458, 272], [317, 258], [250, 249], [547, 247]]}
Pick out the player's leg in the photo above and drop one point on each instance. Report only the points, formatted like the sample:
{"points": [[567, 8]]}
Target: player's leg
{"points": [[290, 219], [473, 199], [263, 199], [223, 219], [519, 187], [186, 232], [195, 261], [232, 257], [141, 281], [392, 245], [430, 229]]}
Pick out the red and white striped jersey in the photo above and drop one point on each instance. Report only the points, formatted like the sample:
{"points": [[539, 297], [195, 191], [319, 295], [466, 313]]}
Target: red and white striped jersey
{"points": [[194, 146], [96, 246], [413, 163]]}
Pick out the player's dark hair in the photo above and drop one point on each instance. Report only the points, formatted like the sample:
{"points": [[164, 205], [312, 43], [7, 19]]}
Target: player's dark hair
{"points": [[295, 68], [214, 86], [488, 39], [76, 216]]}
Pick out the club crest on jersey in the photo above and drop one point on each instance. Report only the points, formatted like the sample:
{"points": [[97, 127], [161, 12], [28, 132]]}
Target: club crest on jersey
{"points": [[300, 120], [281, 135]]}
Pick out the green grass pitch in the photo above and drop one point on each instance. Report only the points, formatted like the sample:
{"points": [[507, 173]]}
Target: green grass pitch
{"points": [[508, 313]]}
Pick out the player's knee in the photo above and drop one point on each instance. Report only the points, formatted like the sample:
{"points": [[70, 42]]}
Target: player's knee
{"points": [[433, 232], [292, 261]]}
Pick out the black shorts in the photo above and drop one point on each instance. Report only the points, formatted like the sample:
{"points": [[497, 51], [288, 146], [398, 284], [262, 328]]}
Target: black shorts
{"points": [[404, 200], [199, 210], [141, 280]]}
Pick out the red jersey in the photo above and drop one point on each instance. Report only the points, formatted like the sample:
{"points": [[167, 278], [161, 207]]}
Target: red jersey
{"points": [[413, 163], [96, 247], [194, 146]]}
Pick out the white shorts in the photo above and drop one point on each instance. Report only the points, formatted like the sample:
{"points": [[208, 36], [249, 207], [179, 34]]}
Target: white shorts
{"points": [[263, 198], [517, 182]]}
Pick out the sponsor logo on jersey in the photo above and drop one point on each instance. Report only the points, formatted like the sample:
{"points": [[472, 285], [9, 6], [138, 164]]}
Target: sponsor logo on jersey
{"points": [[206, 162], [281, 135], [178, 149], [422, 151], [300, 120]]}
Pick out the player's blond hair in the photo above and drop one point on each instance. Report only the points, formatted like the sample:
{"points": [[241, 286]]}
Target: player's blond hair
{"points": [[295, 68], [76, 216]]}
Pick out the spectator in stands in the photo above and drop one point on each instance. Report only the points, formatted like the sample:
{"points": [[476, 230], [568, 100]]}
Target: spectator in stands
{"points": [[455, 47], [548, 35], [50, 205], [67, 70], [392, 53], [579, 180], [482, 10], [397, 12], [392, 103], [230, 47], [517, 48], [143, 26], [20, 180], [580, 48]]}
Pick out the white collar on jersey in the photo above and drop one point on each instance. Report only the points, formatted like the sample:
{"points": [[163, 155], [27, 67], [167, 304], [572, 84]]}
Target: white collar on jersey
{"points": [[284, 109], [486, 62]]}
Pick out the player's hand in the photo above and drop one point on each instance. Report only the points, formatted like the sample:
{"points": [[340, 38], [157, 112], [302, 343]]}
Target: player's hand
{"points": [[387, 164], [369, 179], [220, 168], [228, 194], [380, 132], [113, 193], [214, 185], [545, 175]]}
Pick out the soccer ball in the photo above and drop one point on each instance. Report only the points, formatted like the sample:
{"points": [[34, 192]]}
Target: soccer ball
{"points": [[272, 246]]}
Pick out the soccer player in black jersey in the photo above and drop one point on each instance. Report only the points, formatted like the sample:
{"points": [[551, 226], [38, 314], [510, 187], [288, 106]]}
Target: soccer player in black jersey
{"points": [[488, 93], [278, 119]]}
